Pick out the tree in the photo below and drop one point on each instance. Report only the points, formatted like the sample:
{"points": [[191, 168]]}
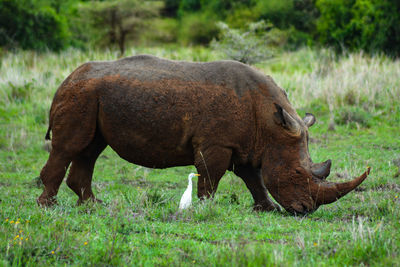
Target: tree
{"points": [[370, 25], [30, 25], [117, 20]]}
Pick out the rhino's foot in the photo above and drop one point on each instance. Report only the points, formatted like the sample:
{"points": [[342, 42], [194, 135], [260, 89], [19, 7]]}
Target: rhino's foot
{"points": [[46, 202], [266, 206]]}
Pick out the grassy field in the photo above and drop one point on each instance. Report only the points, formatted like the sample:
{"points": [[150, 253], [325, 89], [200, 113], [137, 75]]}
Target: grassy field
{"points": [[356, 101]]}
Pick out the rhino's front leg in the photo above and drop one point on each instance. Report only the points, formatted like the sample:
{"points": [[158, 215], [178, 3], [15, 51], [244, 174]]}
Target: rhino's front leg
{"points": [[211, 164], [253, 180]]}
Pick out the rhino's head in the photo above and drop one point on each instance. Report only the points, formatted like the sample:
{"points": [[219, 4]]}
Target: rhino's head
{"points": [[291, 177]]}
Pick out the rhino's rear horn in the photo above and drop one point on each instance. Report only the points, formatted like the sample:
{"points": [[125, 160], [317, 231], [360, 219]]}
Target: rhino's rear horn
{"points": [[321, 170]]}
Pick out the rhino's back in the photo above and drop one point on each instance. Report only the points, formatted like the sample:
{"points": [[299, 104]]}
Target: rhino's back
{"points": [[145, 68]]}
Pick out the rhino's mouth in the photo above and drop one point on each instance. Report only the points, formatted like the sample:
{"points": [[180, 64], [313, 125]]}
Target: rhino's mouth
{"points": [[301, 208]]}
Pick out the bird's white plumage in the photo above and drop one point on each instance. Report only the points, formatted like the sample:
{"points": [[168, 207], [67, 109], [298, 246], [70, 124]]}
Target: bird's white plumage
{"points": [[186, 199]]}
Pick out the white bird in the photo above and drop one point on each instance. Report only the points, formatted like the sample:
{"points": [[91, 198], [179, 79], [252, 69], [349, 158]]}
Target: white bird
{"points": [[186, 199]]}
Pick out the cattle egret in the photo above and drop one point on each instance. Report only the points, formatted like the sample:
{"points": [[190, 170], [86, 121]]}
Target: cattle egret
{"points": [[186, 199]]}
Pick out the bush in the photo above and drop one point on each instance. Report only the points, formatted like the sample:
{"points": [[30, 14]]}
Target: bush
{"points": [[293, 17], [240, 17], [249, 46], [370, 25], [26, 25], [188, 6], [198, 28], [279, 12], [161, 30], [219, 8]]}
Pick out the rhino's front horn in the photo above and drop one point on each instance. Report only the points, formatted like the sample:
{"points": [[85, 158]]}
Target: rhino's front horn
{"points": [[326, 192], [321, 170]]}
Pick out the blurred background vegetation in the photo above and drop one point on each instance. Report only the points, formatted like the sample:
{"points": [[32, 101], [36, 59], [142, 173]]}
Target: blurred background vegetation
{"points": [[345, 25]]}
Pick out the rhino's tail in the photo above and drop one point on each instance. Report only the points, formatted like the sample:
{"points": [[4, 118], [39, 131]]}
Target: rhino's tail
{"points": [[47, 137], [47, 142]]}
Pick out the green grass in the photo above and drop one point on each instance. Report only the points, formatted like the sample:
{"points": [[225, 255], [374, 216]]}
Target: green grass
{"points": [[138, 223]]}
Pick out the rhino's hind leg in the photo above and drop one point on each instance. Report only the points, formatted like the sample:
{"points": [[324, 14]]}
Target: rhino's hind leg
{"points": [[73, 125], [81, 171], [211, 164], [253, 180], [52, 175]]}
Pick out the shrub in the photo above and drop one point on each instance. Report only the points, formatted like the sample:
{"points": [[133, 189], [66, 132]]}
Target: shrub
{"points": [[240, 17], [161, 30], [198, 28], [277, 11], [247, 46], [293, 17], [219, 8]]}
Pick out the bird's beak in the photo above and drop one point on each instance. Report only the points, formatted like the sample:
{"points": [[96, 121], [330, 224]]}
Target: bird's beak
{"points": [[196, 174]]}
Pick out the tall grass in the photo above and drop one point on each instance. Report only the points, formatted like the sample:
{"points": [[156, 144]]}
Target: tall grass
{"points": [[45, 71], [355, 79]]}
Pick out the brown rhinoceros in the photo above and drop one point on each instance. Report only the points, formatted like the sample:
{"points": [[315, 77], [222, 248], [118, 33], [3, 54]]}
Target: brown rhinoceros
{"points": [[159, 113]]}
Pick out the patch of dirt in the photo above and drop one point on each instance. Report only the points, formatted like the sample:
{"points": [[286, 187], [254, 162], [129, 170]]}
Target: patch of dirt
{"points": [[231, 243], [360, 189], [4, 184], [382, 187], [387, 187], [383, 147]]}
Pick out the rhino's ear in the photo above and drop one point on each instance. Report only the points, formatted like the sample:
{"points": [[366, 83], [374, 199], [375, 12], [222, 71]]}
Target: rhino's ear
{"points": [[283, 118], [309, 119]]}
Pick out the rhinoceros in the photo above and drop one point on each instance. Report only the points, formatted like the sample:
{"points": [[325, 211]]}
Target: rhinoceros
{"points": [[159, 113]]}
